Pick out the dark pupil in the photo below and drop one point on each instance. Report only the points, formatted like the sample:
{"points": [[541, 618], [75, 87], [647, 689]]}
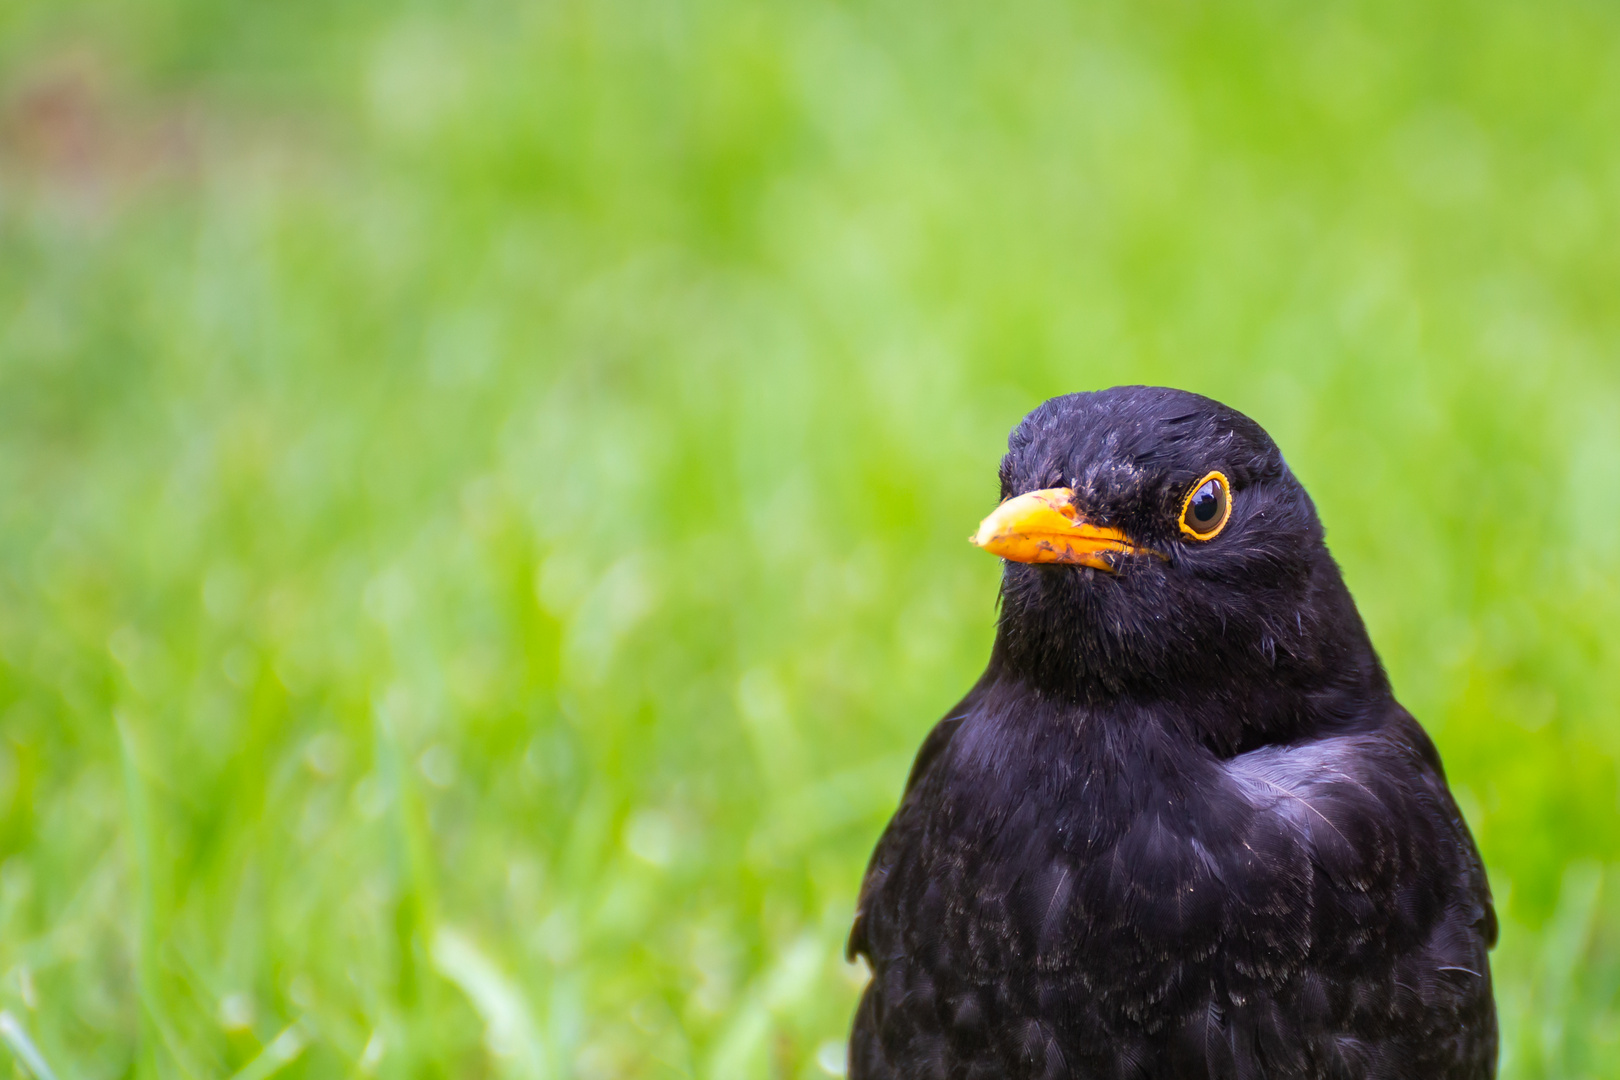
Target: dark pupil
{"points": [[1206, 504]]}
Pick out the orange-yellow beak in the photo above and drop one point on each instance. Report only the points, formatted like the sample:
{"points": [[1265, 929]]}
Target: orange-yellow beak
{"points": [[1044, 527]]}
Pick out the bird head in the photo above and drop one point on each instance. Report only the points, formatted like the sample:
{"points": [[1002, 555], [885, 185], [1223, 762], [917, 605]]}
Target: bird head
{"points": [[1156, 542]]}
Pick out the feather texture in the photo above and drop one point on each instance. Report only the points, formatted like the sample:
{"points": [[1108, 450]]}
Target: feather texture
{"points": [[1180, 827]]}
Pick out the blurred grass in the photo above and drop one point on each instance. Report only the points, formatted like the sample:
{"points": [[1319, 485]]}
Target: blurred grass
{"points": [[482, 487]]}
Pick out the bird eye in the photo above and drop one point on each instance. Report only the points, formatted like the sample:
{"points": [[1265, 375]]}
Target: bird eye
{"points": [[1206, 508]]}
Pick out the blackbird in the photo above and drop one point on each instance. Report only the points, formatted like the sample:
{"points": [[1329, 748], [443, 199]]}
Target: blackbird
{"points": [[1180, 827]]}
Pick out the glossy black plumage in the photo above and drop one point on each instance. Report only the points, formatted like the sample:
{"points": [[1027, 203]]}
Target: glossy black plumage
{"points": [[1180, 827]]}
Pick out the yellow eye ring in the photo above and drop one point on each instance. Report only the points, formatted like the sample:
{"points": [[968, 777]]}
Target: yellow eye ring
{"points": [[1213, 497]]}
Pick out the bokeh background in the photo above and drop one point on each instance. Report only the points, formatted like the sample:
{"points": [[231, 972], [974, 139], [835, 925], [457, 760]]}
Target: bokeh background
{"points": [[483, 486]]}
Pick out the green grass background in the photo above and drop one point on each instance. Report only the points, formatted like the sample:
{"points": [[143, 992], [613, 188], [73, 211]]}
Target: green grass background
{"points": [[483, 486]]}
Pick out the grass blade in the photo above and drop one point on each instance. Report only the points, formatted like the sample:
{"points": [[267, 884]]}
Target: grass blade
{"points": [[16, 1037]]}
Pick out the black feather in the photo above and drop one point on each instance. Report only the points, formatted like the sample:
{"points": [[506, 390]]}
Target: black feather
{"points": [[1180, 827]]}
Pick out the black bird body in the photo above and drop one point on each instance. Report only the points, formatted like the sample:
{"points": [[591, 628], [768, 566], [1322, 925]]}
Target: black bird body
{"points": [[1180, 827]]}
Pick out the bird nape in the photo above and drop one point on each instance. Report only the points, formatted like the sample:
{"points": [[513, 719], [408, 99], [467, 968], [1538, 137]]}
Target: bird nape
{"points": [[1180, 827]]}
